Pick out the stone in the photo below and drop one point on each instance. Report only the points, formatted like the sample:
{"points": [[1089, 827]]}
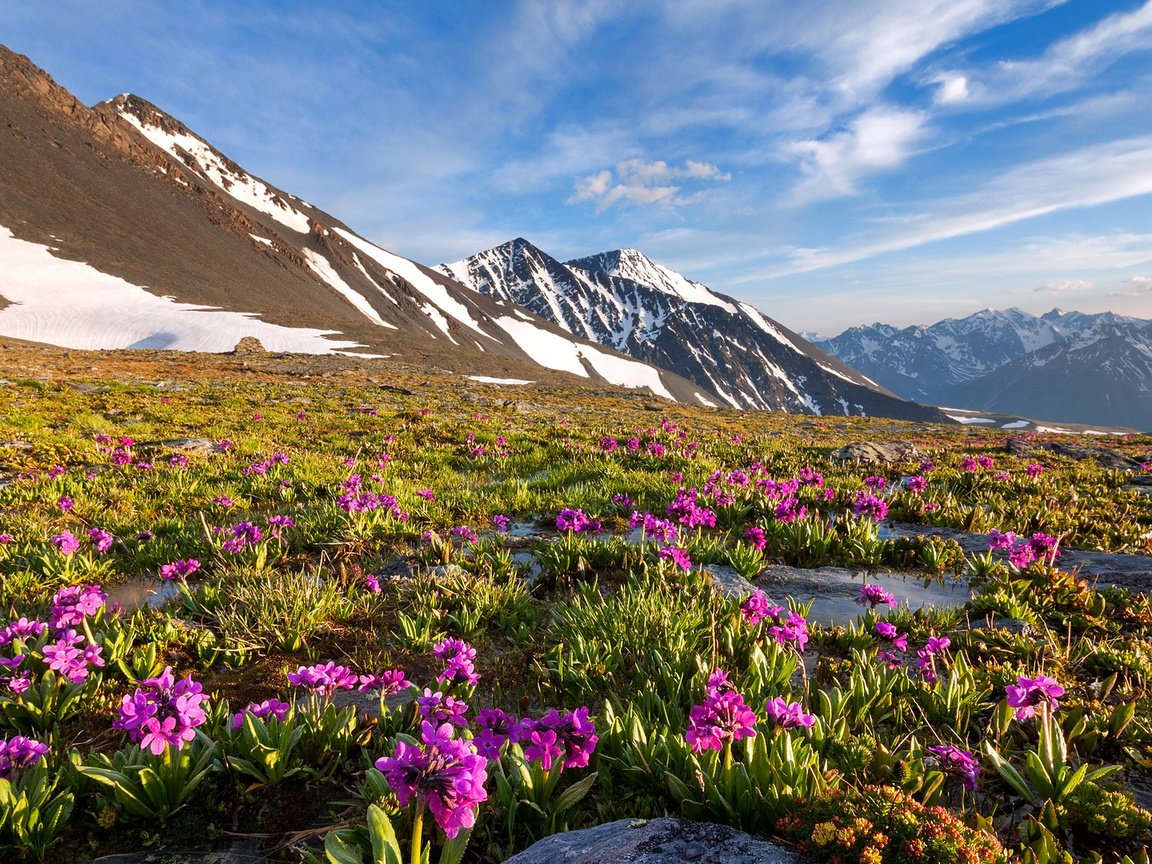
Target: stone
{"points": [[877, 453], [248, 345], [192, 445], [728, 582], [1107, 458], [656, 841]]}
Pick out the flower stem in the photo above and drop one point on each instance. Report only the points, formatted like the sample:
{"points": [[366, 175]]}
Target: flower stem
{"points": [[418, 833]]}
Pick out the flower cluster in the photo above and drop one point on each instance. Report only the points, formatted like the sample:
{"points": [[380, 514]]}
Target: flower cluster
{"points": [[1029, 694], [723, 717], [162, 711], [787, 715], [576, 521], [17, 753], [654, 528], [459, 662], [873, 596], [179, 569], [926, 658], [868, 506], [323, 679], [688, 513], [570, 738], [387, 683], [438, 708], [444, 773], [273, 708], [72, 604], [71, 655], [958, 762]]}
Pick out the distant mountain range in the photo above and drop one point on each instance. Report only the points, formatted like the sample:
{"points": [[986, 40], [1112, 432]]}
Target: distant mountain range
{"points": [[122, 228], [626, 301], [1061, 366]]}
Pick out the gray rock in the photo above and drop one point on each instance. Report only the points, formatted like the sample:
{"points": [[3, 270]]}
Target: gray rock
{"points": [[728, 582], [877, 453], [192, 445], [656, 841], [1106, 457]]}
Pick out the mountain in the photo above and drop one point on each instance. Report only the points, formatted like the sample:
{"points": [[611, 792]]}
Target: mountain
{"points": [[628, 302], [120, 227], [1062, 366]]}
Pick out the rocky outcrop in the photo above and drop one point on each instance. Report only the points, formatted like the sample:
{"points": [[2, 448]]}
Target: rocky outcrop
{"points": [[1104, 456], [875, 453], [656, 841]]}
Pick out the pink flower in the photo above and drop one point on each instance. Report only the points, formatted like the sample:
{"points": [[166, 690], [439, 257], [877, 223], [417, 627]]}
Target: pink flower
{"points": [[1028, 694]]}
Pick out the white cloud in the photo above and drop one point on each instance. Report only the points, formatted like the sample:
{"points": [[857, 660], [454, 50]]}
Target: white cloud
{"points": [[953, 90], [880, 139], [1063, 287], [1083, 178], [1142, 283], [1070, 61], [635, 181]]}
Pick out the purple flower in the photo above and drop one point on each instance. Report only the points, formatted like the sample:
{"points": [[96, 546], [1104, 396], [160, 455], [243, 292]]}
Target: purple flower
{"points": [[876, 483], [688, 513], [608, 444], [998, 540], [501, 522], [65, 504], [811, 477], [179, 569], [788, 627], [72, 604], [465, 534], [967, 464], [6, 538], [65, 542], [438, 708], [223, 501], [22, 628], [323, 679], [869, 506], [790, 510], [787, 715], [18, 752], [569, 737], [570, 519], [444, 772], [273, 708], [755, 608], [389, 682], [162, 712], [678, 556], [873, 596], [70, 661], [888, 633], [757, 538], [371, 583], [1028, 694], [458, 660], [916, 484], [957, 762], [722, 719], [985, 461], [495, 729], [622, 501]]}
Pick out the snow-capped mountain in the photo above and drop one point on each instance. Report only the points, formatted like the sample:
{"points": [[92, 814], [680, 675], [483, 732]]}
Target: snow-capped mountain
{"points": [[1063, 366], [120, 227], [624, 300]]}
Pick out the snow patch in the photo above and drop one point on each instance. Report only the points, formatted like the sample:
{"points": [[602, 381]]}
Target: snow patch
{"points": [[243, 187], [73, 305], [323, 268], [484, 379]]}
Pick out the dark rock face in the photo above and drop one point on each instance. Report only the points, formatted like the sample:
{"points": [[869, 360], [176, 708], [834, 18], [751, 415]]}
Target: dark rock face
{"points": [[624, 300], [657, 841]]}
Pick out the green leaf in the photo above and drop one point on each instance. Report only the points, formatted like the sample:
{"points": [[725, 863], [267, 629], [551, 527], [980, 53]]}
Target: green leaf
{"points": [[1010, 775], [385, 846], [339, 851], [453, 850], [575, 793]]}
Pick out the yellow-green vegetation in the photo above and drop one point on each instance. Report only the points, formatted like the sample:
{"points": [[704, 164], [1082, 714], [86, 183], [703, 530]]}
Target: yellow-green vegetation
{"points": [[540, 558]]}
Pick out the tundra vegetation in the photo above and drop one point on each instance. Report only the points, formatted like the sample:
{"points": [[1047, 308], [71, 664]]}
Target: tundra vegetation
{"points": [[390, 624]]}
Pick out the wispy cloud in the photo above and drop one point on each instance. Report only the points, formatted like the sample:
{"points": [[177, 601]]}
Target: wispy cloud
{"points": [[1087, 177], [635, 181], [1066, 63], [1063, 286], [1140, 286], [878, 140]]}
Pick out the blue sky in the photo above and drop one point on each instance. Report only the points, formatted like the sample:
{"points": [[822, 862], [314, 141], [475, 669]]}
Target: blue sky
{"points": [[833, 162]]}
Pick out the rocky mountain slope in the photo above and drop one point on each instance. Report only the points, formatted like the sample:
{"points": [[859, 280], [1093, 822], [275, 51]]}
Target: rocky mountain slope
{"points": [[120, 227], [626, 301], [1061, 366]]}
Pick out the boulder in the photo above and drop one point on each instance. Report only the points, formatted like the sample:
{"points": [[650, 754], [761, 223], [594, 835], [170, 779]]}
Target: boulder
{"points": [[1107, 458], [877, 453], [730, 584], [656, 841]]}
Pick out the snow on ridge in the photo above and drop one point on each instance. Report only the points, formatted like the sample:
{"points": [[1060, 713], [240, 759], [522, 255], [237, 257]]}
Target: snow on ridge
{"points": [[554, 351], [635, 265], [73, 305], [243, 187], [436, 293], [758, 318], [485, 379], [323, 268]]}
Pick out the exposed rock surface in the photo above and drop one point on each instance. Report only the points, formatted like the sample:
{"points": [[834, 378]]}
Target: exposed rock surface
{"points": [[656, 841], [728, 582], [1105, 456], [877, 453]]}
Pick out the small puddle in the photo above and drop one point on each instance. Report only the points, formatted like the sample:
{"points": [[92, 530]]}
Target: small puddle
{"points": [[833, 591], [141, 593]]}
